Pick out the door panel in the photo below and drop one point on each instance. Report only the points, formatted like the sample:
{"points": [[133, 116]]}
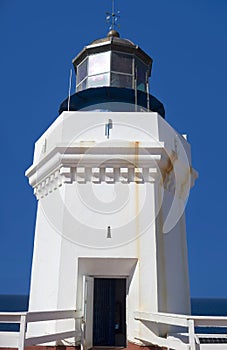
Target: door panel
{"points": [[109, 328]]}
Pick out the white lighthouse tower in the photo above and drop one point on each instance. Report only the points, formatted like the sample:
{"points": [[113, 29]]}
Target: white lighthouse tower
{"points": [[112, 178]]}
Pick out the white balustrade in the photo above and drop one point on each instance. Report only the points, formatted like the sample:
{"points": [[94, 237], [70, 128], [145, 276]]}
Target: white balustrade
{"points": [[19, 339], [188, 340]]}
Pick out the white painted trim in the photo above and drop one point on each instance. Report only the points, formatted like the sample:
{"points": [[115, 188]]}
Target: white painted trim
{"points": [[19, 339], [175, 341]]}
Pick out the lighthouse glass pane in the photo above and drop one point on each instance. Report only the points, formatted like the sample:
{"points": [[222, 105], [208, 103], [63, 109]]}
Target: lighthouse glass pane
{"points": [[141, 87], [141, 75], [98, 80], [121, 63], [99, 63], [82, 86], [121, 80], [82, 71]]}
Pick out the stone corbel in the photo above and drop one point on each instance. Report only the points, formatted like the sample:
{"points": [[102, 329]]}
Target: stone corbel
{"points": [[66, 174]]}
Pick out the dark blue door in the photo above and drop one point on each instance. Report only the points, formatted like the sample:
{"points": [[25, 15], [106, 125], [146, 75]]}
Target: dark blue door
{"points": [[109, 322]]}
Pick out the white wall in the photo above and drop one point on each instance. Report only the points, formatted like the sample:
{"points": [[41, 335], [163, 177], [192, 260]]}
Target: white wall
{"points": [[75, 210]]}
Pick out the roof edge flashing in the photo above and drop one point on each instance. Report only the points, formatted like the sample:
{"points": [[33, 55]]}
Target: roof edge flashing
{"points": [[112, 46]]}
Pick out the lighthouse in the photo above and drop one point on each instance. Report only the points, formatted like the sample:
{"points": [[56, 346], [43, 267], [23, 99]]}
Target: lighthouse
{"points": [[112, 178]]}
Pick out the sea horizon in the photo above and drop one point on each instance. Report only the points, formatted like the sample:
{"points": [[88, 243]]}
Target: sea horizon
{"points": [[213, 306]]}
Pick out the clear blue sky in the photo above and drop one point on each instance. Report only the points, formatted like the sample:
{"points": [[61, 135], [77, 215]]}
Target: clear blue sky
{"points": [[188, 42]]}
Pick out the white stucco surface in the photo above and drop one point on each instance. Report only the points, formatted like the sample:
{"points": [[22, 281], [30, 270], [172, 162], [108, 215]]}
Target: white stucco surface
{"points": [[136, 183]]}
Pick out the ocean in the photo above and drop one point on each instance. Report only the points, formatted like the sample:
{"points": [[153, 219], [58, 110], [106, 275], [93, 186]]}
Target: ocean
{"points": [[12, 303], [200, 306], [209, 307]]}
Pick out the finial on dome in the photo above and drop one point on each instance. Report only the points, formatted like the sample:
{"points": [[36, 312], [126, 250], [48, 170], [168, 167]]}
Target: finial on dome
{"points": [[114, 33], [112, 17]]}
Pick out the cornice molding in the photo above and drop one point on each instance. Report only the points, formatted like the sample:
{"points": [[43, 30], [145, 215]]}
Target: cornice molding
{"points": [[82, 175], [64, 165]]}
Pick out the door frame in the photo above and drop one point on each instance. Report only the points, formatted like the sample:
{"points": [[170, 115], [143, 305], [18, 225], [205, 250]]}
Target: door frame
{"points": [[87, 312]]}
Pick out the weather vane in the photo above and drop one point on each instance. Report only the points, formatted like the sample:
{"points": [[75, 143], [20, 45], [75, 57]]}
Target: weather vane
{"points": [[113, 17]]}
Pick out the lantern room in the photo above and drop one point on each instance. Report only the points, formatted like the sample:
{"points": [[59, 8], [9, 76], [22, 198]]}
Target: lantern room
{"points": [[112, 62]]}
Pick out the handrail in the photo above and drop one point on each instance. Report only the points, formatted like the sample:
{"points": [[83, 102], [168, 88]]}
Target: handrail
{"points": [[39, 316], [200, 321], [11, 317], [187, 321], [20, 339]]}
